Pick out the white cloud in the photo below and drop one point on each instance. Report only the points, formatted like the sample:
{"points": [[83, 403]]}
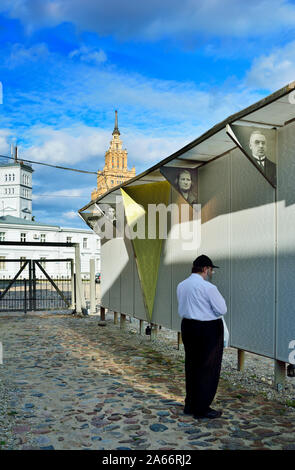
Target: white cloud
{"points": [[4, 142], [68, 92], [158, 117], [86, 54], [145, 149], [154, 19], [63, 193], [274, 70], [82, 143], [20, 54], [69, 145], [70, 215]]}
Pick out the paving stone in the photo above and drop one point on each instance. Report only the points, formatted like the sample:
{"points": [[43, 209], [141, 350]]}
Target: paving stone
{"points": [[158, 427], [64, 400]]}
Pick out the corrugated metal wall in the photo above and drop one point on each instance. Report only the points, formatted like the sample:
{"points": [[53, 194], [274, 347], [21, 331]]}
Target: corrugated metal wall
{"points": [[285, 331], [252, 258], [239, 232]]}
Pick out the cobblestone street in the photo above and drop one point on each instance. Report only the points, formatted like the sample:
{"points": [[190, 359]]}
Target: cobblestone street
{"points": [[68, 383]]}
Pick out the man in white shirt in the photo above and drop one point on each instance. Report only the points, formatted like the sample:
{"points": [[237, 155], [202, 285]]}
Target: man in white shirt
{"points": [[201, 306]]}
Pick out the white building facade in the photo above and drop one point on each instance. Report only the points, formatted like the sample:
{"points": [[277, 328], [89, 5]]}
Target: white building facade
{"points": [[16, 190], [16, 225]]}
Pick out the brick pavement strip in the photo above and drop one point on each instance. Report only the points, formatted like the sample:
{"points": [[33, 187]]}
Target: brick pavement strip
{"points": [[68, 383]]}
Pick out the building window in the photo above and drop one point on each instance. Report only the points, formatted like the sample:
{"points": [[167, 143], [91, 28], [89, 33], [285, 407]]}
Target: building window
{"points": [[5, 177], [43, 237], [69, 239], [2, 263], [23, 259], [2, 236], [84, 242], [23, 237]]}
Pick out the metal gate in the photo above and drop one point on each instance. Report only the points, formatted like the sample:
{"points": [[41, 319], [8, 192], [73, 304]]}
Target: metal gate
{"points": [[32, 287]]}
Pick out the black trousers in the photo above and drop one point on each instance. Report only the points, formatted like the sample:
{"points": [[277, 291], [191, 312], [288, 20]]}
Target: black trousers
{"points": [[203, 345]]}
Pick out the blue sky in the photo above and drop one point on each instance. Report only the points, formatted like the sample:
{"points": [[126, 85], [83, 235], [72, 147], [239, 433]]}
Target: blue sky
{"points": [[172, 69]]}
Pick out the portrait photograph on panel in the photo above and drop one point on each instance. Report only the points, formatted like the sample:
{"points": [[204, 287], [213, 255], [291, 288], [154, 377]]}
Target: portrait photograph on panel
{"points": [[109, 210], [184, 180], [105, 220], [260, 146]]}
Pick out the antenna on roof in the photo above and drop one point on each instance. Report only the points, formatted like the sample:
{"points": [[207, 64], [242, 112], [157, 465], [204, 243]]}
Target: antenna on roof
{"points": [[15, 153]]}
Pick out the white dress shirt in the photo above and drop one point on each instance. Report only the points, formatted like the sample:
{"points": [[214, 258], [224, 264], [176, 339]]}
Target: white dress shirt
{"points": [[199, 299]]}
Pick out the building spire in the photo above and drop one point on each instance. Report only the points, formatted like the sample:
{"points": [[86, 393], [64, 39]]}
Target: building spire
{"points": [[116, 129]]}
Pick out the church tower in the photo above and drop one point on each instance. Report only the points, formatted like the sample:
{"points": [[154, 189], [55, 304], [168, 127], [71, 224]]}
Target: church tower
{"points": [[16, 188], [115, 169]]}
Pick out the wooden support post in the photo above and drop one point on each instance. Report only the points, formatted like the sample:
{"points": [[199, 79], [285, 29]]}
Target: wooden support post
{"points": [[72, 285], [279, 374], [140, 326], [92, 287], [179, 339], [102, 314], [80, 299], [122, 321], [116, 318], [241, 359], [154, 332]]}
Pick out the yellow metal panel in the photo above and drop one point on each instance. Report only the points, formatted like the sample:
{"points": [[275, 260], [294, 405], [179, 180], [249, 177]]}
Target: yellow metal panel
{"points": [[147, 250]]}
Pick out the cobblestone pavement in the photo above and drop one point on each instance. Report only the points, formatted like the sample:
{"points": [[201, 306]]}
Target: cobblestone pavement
{"points": [[68, 383]]}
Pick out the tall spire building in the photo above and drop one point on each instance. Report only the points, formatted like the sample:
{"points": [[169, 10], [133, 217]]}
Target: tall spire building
{"points": [[115, 169]]}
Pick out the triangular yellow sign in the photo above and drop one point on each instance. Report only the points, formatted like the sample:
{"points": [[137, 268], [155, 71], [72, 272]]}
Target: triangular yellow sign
{"points": [[144, 232]]}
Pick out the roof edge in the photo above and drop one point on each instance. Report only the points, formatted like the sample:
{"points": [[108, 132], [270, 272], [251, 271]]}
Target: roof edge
{"points": [[213, 130]]}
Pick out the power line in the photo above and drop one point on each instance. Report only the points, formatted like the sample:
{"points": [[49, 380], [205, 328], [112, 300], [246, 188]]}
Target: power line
{"points": [[56, 195], [52, 166], [65, 168]]}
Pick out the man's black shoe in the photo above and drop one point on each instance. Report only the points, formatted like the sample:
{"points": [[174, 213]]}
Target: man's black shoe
{"points": [[211, 414]]}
